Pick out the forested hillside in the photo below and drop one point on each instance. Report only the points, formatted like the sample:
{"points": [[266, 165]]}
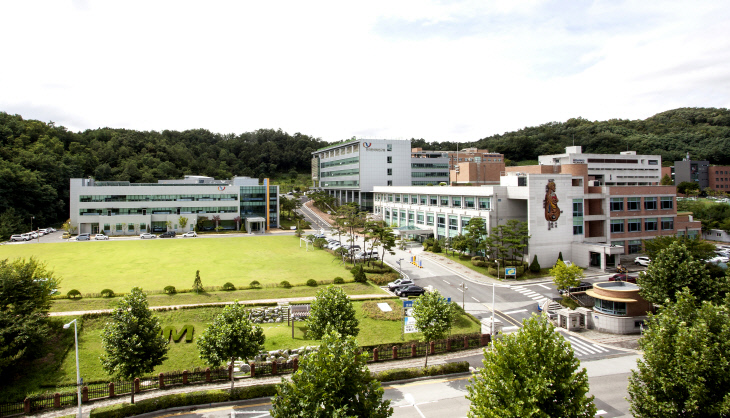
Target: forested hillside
{"points": [[703, 132], [37, 160]]}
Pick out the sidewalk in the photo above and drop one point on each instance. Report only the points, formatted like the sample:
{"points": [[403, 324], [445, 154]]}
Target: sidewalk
{"points": [[374, 367]]}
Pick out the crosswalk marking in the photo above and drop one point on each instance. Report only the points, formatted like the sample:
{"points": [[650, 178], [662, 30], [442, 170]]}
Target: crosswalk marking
{"points": [[546, 287], [514, 312], [581, 347]]}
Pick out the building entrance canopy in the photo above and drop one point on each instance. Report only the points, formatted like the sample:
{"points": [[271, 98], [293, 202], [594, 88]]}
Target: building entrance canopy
{"points": [[412, 230]]}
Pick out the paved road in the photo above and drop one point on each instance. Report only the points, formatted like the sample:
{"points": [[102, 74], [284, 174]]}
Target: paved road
{"points": [[446, 397]]}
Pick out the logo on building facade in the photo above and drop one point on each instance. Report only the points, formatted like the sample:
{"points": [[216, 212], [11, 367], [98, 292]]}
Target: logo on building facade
{"points": [[221, 188], [367, 144], [550, 204]]}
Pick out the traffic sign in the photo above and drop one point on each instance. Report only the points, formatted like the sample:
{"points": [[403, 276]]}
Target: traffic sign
{"points": [[410, 325], [407, 304]]}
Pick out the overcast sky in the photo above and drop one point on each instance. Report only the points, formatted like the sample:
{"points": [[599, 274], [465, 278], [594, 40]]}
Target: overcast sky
{"points": [[438, 70]]}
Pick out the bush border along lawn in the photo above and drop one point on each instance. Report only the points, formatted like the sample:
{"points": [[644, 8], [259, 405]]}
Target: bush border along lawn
{"points": [[483, 270]]}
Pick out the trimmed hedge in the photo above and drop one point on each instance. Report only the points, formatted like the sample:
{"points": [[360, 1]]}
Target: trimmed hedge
{"points": [[123, 410], [228, 286], [339, 280], [170, 290], [254, 284], [312, 282], [107, 293], [414, 372], [285, 284], [73, 294]]}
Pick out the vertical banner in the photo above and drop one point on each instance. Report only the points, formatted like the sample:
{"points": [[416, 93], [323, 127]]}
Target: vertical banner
{"points": [[268, 203]]}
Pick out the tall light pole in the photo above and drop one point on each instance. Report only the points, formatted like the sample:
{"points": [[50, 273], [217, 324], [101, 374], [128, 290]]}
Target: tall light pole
{"points": [[78, 375], [493, 299], [464, 288], [31, 223]]}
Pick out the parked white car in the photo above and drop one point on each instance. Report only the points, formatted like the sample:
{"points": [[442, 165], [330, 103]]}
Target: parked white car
{"points": [[642, 261], [190, 234], [99, 237], [718, 259], [147, 235], [18, 238]]}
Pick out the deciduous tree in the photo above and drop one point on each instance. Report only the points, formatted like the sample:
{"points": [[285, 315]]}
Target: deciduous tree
{"points": [[25, 298], [565, 276], [673, 269], [685, 369], [530, 373], [132, 339], [333, 381], [332, 308], [434, 317], [231, 335]]}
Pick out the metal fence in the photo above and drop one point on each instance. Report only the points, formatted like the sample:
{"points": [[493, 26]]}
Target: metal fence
{"points": [[101, 390]]}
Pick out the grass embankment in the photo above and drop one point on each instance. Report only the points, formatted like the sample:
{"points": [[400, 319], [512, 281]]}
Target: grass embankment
{"points": [[466, 262], [58, 365], [153, 264]]}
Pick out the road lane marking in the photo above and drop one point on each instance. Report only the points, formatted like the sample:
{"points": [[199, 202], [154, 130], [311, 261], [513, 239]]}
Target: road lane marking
{"points": [[514, 312], [546, 287], [477, 300], [509, 328], [446, 282]]}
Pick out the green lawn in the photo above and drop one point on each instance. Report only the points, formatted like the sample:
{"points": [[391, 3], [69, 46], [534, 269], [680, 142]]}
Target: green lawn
{"points": [[59, 364], [466, 262], [153, 264]]}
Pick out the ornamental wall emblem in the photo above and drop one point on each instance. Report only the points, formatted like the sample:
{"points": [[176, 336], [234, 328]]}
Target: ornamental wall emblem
{"points": [[367, 144], [221, 188], [550, 204]]}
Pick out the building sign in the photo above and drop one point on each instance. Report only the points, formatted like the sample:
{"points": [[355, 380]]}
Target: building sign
{"points": [[510, 271], [579, 161], [368, 147], [550, 204]]}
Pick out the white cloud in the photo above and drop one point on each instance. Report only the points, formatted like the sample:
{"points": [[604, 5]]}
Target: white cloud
{"points": [[458, 70]]}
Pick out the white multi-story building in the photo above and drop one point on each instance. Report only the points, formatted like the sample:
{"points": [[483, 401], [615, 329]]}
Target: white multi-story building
{"points": [[350, 170], [624, 169], [124, 208], [589, 225]]}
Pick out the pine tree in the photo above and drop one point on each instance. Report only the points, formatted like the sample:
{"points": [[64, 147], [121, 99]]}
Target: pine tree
{"points": [[197, 284]]}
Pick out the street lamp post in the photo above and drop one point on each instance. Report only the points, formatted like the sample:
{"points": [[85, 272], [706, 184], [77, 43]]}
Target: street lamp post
{"points": [[78, 375], [493, 298], [400, 268], [464, 288]]}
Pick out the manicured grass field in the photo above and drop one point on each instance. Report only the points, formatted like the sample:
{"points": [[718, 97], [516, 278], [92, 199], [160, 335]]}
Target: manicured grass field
{"points": [[153, 264], [60, 367]]}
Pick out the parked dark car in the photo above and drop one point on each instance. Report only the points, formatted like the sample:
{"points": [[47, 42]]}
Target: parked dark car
{"points": [[622, 278], [582, 287], [411, 290], [168, 234]]}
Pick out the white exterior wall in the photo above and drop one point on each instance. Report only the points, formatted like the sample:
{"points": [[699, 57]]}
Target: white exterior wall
{"points": [[614, 172], [80, 187], [546, 242]]}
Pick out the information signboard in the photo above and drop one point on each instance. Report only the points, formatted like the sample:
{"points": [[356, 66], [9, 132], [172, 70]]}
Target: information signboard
{"points": [[410, 325], [510, 271]]}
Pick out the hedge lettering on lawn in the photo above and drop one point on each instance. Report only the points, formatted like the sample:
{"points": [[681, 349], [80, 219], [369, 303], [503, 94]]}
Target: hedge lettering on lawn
{"points": [[170, 331]]}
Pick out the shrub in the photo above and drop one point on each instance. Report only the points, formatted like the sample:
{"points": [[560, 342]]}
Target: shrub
{"points": [[255, 284], [107, 293], [339, 280], [436, 247], [535, 266], [197, 284], [229, 286], [359, 274], [170, 290], [441, 369], [478, 258], [285, 284], [312, 282], [479, 263], [560, 256], [73, 294]]}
